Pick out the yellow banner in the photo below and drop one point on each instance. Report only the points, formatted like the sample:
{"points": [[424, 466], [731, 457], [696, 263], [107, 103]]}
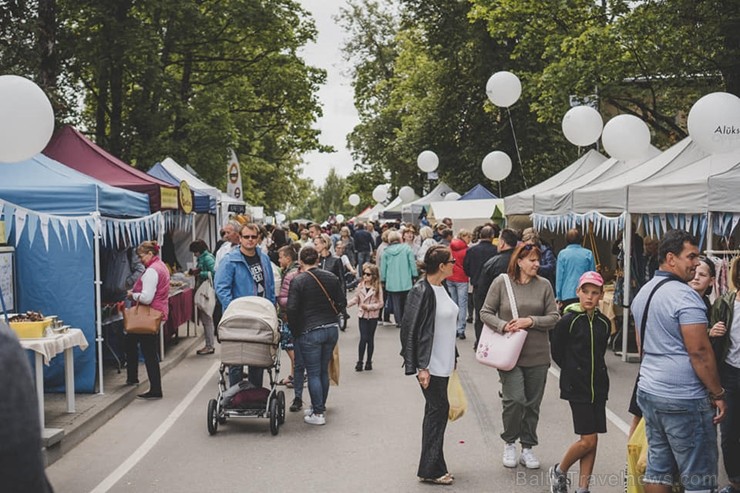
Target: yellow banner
{"points": [[168, 198], [2, 232], [186, 197]]}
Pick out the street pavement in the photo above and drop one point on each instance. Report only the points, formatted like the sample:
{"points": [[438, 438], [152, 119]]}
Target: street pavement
{"points": [[371, 441]]}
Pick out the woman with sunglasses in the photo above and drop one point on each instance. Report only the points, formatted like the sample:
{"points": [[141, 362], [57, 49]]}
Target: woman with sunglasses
{"points": [[428, 334], [369, 299], [524, 385]]}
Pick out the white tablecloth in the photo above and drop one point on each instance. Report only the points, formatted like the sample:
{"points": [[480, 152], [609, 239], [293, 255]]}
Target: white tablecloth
{"points": [[48, 347]]}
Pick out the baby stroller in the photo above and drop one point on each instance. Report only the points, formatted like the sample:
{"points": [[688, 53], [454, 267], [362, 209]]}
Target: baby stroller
{"points": [[249, 333]]}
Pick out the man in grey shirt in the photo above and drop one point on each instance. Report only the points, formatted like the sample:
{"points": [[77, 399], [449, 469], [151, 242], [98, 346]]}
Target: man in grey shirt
{"points": [[679, 390]]}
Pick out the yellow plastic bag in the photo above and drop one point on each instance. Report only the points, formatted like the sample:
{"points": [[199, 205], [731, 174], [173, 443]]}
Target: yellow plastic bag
{"points": [[456, 397], [637, 459]]}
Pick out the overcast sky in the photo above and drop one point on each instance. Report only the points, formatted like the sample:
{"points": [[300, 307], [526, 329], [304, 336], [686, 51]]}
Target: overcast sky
{"points": [[336, 95]]}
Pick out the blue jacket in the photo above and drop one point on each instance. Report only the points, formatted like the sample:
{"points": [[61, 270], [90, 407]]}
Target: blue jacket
{"points": [[573, 261], [233, 279]]}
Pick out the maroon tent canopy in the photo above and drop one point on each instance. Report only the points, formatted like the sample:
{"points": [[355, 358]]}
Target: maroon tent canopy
{"points": [[71, 148]]}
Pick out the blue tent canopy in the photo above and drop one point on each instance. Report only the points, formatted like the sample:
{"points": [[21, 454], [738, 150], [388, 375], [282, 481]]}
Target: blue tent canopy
{"points": [[203, 202], [44, 185], [47, 208], [478, 192]]}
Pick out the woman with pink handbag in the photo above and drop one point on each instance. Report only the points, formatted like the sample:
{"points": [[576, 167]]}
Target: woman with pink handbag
{"points": [[524, 385]]}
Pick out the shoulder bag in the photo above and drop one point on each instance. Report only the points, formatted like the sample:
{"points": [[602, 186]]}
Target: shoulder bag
{"points": [[205, 296], [501, 350], [141, 319], [331, 301]]}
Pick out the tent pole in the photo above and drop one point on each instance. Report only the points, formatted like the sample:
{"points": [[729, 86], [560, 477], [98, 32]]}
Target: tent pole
{"points": [[627, 245], [710, 243], [98, 301]]}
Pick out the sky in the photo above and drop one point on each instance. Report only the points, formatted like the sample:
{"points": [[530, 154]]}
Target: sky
{"points": [[336, 96]]}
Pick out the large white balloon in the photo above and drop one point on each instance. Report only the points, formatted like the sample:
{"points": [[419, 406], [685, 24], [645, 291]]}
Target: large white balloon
{"points": [[626, 137], [354, 199], [582, 125], [280, 217], [339, 218], [452, 196], [496, 165], [406, 193], [427, 161], [380, 193], [26, 119], [503, 89], [714, 122]]}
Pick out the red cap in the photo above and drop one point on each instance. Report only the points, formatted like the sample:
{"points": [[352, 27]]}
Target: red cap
{"points": [[591, 277]]}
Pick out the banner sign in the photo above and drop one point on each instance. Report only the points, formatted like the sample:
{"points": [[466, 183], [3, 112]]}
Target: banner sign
{"points": [[186, 197], [234, 177], [168, 198]]}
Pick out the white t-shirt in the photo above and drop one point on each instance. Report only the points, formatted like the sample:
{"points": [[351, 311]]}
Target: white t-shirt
{"points": [[442, 360], [225, 249], [733, 352]]}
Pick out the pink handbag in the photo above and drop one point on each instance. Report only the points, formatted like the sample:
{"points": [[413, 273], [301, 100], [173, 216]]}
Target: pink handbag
{"points": [[501, 350]]}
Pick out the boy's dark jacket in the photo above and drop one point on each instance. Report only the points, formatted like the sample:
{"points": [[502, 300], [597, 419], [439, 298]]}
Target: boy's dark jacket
{"points": [[578, 346]]}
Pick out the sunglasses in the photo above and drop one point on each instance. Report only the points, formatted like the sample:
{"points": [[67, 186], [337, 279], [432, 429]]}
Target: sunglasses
{"points": [[367, 273], [250, 237], [451, 261]]}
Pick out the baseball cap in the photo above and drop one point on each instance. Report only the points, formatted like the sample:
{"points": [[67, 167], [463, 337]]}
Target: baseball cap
{"points": [[590, 277]]}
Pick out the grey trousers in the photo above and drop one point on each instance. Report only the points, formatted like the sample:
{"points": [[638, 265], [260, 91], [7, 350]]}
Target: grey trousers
{"points": [[523, 389]]}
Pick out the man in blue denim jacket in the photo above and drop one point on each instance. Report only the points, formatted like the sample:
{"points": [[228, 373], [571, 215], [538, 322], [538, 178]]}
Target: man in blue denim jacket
{"points": [[679, 390]]}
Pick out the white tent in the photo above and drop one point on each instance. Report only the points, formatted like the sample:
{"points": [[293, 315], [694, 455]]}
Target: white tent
{"points": [[523, 202], [194, 182], [410, 212], [610, 196], [724, 188], [684, 191], [559, 201], [466, 214], [371, 214]]}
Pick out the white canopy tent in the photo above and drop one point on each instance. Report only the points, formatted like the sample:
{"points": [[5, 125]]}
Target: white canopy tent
{"points": [[523, 202], [466, 214], [410, 212]]}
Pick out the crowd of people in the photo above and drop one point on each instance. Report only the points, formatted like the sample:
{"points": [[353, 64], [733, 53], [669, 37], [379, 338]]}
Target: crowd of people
{"points": [[432, 282]]}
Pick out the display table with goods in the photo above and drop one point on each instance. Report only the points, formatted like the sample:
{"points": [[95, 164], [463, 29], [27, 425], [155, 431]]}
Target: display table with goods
{"points": [[45, 348]]}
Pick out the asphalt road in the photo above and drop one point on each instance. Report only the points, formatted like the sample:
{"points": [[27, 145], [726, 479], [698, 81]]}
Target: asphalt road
{"points": [[371, 441]]}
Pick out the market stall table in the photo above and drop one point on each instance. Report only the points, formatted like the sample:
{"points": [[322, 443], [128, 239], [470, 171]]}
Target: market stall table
{"points": [[181, 311], [47, 348]]}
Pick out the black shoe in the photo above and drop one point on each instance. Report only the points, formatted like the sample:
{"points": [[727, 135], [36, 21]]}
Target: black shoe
{"points": [[368, 366], [469, 320], [296, 406], [150, 395], [358, 366], [461, 336], [132, 382]]}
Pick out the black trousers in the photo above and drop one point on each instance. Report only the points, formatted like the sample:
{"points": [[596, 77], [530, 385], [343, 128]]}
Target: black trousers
{"points": [[478, 323], [432, 463], [149, 346]]}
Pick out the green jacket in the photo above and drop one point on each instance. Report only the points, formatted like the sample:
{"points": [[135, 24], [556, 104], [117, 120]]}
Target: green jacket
{"points": [[206, 264], [722, 312], [398, 268]]}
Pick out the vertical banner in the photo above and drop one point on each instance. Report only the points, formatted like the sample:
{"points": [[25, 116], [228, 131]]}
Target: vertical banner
{"points": [[234, 177]]}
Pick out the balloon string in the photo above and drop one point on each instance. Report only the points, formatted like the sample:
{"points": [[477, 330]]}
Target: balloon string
{"points": [[516, 146]]}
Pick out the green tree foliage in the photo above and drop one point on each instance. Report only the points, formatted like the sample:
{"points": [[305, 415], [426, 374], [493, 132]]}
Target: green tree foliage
{"points": [[320, 202], [180, 78]]}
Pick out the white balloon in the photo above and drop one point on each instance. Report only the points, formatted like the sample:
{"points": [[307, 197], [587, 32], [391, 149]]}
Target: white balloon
{"points": [[452, 196], [503, 89], [714, 122], [26, 119], [354, 199], [339, 218], [582, 125], [626, 137], [407, 194], [280, 217], [380, 193], [496, 165], [427, 161]]}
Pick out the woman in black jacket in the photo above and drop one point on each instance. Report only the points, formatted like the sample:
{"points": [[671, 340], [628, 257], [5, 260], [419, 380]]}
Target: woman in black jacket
{"points": [[428, 334]]}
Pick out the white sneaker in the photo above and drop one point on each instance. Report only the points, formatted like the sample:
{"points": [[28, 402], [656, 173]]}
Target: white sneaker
{"points": [[308, 411], [509, 458], [528, 459], [315, 419]]}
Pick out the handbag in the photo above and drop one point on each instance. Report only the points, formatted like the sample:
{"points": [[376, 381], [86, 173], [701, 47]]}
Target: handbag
{"points": [[205, 296], [331, 301], [499, 350], [141, 319], [456, 397]]}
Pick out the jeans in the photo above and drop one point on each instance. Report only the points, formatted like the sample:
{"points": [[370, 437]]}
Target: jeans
{"points": [[398, 300], [680, 433], [299, 372], [523, 388], [362, 257], [432, 463], [459, 294], [316, 349], [367, 338], [730, 426]]}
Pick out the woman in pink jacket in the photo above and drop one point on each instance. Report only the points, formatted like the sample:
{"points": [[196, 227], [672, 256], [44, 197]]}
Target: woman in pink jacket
{"points": [[369, 298]]}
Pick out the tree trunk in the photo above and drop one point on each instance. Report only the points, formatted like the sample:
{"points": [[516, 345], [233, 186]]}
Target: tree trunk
{"points": [[46, 46]]}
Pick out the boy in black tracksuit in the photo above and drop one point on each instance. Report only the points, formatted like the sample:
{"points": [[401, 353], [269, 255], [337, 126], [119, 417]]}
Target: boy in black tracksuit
{"points": [[578, 345]]}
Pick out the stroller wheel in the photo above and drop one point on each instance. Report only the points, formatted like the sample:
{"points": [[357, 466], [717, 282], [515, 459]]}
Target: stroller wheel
{"points": [[274, 416], [281, 407], [212, 417]]}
